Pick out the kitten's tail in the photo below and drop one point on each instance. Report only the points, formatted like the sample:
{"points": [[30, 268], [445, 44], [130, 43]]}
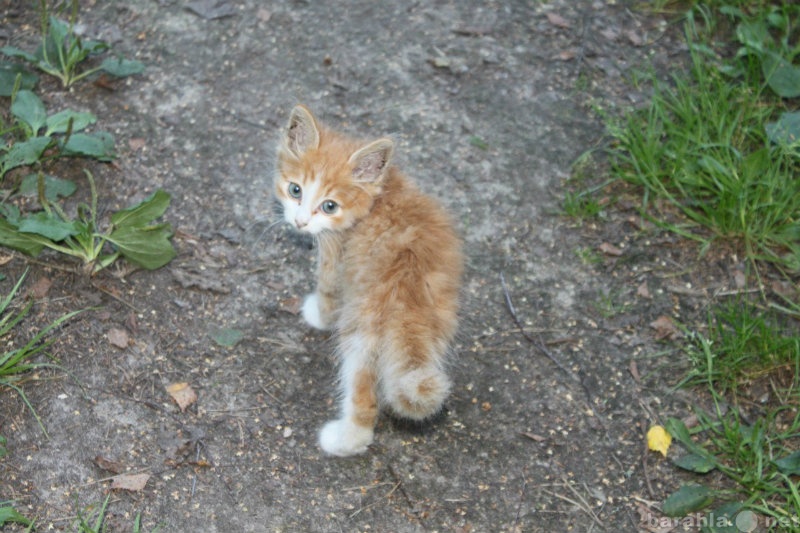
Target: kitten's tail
{"points": [[416, 394]]}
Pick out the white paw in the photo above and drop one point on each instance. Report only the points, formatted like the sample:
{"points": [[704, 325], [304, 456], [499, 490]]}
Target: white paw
{"points": [[311, 312], [343, 438]]}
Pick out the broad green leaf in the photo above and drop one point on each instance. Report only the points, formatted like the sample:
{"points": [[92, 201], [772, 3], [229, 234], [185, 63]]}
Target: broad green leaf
{"points": [[59, 123], [121, 68], [98, 145], [94, 46], [694, 463], [789, 465], [28, 108], [54, 187], [687, 499], [143, 213], [10, 237], [753, 35], [148, 247], [8, 78], [47, 225], [725, 519], [782, 77], [12, 51], [678, 430], [11, 213], [786, 130], [9, 514], [23, 153], [56, 40], [227, 337]]}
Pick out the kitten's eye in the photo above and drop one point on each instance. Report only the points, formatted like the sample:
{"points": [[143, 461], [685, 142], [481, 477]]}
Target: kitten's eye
{"points": [[295, 191], [329, 207]]}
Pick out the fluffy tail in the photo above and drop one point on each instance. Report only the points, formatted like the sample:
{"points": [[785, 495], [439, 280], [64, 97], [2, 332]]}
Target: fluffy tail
{"points": [[416, 394]]}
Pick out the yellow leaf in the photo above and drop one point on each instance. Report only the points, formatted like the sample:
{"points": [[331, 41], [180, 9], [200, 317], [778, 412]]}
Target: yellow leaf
{"points": [[658, 439]]}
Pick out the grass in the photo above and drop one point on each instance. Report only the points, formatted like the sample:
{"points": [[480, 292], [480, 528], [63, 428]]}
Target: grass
{"points": [[90, 520], [748, 343], [715, 157], [702, 147], [16, 362]]}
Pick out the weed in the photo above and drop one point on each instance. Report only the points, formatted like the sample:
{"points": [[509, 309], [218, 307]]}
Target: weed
{"points": [[9, 514], [715, 145], [46, 136], [90, 521], [580, 205], [588, 256], [720, 144], [608, 304], [62, 51], [16, 362], [759, 455], [748, 342], [131, 232]]}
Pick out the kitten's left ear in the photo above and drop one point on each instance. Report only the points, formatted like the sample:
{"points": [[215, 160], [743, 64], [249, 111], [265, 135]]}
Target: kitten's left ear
{"points": [[371, 161]]}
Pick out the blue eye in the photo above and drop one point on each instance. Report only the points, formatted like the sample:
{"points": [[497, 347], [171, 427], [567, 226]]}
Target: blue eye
{"points": [[295, 191], [329, 207]]}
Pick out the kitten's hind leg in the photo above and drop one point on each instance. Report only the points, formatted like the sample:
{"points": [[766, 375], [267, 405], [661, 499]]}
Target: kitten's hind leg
{"points": [[353, 431]]}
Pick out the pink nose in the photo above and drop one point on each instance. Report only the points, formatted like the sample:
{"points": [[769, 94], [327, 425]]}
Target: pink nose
{"points": [[300, 222]]}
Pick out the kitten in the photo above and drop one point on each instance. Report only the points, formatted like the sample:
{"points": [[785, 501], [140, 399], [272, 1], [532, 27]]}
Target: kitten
{"points": [[388, 275]]}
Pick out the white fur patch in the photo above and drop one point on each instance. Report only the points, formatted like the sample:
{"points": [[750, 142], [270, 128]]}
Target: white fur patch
{"points": [[311, 312], [342, 438]]}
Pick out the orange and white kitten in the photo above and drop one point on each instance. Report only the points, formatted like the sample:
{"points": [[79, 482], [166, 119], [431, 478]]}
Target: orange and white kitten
{"points": [[388, 275]]}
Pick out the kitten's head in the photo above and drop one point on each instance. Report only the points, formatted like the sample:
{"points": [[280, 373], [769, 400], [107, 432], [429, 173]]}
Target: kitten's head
{"points": [[324, 180]]}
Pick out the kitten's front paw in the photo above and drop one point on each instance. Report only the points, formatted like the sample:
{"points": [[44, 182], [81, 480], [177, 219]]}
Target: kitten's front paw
{"points": [[343, 438], [311, 312]]}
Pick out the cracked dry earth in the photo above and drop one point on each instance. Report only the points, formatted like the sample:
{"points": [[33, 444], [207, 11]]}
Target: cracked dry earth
{"points": [[490, 104]]}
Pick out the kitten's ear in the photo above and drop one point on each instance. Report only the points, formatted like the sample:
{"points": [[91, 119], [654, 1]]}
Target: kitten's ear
{"points": [[302, 133], [371, 161]]}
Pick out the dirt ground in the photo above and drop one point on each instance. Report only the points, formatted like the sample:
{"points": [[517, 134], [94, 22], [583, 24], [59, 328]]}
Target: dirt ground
{"points": [[491, 103]]}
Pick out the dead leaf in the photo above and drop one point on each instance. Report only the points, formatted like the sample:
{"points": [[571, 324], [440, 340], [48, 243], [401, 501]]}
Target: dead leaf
{"points": [[118, 337], [566, 55], [609, 249], [783, 288], [39, 290], [107, 464], [4, 259], [533, 436], [292, 305], [643, 290], [633, 368], [183, 394], [651, 521], [131, 482], [557, 20], [634, 38], [610, 34], [665, 328], [136, 144]]}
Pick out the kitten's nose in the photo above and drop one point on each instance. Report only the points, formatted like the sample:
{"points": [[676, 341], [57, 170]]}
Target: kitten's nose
{"points": [[300, 222]]}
